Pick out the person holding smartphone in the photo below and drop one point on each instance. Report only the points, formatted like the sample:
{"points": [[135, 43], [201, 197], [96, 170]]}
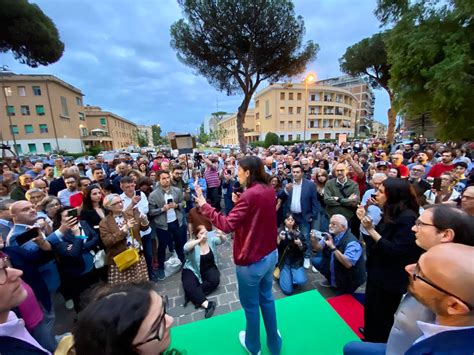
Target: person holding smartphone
{"points": [[442, 190]]}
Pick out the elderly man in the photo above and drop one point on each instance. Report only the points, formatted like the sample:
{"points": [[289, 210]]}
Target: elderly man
{"points": [[341, 194], [421, 159], [419, 184], [6, 223], [40, 184], [342, 265], [35, 196], [36, 170], [397, 163], [19, 191]]}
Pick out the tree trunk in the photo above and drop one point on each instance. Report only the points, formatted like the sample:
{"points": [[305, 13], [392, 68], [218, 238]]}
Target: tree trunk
{"points": [[240, 122], [392, 119]]}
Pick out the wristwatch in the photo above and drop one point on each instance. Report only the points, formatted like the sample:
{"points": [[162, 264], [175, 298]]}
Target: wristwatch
{"points": [[333, 250]]}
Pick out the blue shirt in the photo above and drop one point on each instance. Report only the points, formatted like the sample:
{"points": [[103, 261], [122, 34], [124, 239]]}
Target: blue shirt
{"points": [[352, 252]]}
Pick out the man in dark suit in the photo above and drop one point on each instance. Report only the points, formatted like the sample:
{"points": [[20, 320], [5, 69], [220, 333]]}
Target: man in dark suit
{"points": [[302, 202]]}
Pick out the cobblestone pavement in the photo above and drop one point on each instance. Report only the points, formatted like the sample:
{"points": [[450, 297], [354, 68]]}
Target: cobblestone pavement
{"points": [[225, 296]]}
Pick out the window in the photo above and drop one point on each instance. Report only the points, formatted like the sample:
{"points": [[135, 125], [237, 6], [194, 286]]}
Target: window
{"points": [[36, 90], [327, 135], [18, 149], [43, 128], [282, 137], [282, 124], [290, 96], [257, 103], [298, 110], [81, 116], [298, 137], [290, 124], [84, 132], [47, 147], [32, 148], [21, 91], [298, 96], [290, 137], [337, 135], [282, 95], [40, 110], [267, 108], [25, 110], [257, 115], [7, 90], [79, 101], [14, 129], [290, 110], [282, 109], [298, 124], [28, 128], [11, 110], [103, 121], [64, 106], [313, 97], [311, 111]]}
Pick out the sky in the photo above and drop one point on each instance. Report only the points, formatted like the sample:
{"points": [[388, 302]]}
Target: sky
{"points": [[118, 53]]}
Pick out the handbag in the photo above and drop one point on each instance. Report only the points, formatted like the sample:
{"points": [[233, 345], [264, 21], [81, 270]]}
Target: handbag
{"points": [[276, 272], [172, 265], [127, 258], [99, 259]]}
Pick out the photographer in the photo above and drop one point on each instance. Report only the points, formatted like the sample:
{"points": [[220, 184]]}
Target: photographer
{"points": [[290, 256], [342, 263]]}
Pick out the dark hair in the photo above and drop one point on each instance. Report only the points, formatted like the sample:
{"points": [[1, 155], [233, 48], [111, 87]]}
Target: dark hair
{"points": [[450, 217], [109, 324], [177, 167], [87, 201], [126, 180], [400, 196], [460, 163], [325, 162], [95, 169], [256, 170], [161, 172], [57, 217], [278, 180], [82, 178]]}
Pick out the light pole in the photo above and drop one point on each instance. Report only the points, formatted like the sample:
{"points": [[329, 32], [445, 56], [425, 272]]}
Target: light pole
{"points": [[309, 79]]}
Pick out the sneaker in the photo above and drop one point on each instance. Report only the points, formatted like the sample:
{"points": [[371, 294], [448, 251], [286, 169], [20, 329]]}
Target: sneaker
{"points": [[69, 304], [324, 283], [313, 269], [160, 273], [242, 342], [211, 307], [153, 277], [306, 263]]}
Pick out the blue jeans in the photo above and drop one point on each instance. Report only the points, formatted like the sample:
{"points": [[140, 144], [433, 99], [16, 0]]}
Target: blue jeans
{"points": [[290, 277], [255, 291], [148, 254], [174, 237], [44, 331], [317, 259], [322, 223], [305, 228], [363, 348]]}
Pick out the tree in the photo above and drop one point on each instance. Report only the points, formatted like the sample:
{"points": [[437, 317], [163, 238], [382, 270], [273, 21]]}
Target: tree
{"points": [[28, 33], [203, 136], [368, 59], [141, 139], [271, 139], [238, 44], [431, 54], [156, 134]]}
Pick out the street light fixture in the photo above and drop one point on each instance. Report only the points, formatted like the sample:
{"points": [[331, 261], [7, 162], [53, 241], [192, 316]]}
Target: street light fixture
{"points": [[311, 77]]}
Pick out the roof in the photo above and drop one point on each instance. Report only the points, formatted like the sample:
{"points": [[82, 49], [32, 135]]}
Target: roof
{"points": [[38, 77]]}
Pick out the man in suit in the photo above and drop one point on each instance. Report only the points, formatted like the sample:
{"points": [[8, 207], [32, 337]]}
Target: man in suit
{"points": [[303, 203]]}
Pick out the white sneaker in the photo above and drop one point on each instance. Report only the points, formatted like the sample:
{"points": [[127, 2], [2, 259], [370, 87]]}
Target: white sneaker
{"points": [[242, 342], [69, 304], [313, 269], [306, 263]]}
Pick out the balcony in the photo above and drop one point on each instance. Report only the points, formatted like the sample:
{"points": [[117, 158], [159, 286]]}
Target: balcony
{"points": [[97, 134]]}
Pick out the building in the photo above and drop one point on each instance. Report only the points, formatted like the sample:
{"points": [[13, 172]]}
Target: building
{"points": [[228, 127], [282, 108], [40, 114], [364, 94], [107, 129], [146, 132], [379, 129]]}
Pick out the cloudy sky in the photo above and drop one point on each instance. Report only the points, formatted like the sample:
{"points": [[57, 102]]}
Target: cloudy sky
{"points": [[118, 53]]}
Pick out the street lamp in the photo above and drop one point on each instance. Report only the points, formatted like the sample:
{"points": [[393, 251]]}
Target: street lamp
{"points": [[309, 79]]}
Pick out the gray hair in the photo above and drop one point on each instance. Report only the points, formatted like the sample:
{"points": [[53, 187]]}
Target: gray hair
{"points": [[342, 220], [32, 191], [379, 176], [109, 198]]}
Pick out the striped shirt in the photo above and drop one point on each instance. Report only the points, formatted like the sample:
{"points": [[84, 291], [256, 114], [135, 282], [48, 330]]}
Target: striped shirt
{"points": [[212, 177]]}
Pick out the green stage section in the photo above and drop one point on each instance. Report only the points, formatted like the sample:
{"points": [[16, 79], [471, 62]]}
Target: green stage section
{"points": [[307, 323]]}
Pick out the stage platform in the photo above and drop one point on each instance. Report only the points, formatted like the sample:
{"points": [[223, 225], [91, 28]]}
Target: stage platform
{"points": [[308, 325]]}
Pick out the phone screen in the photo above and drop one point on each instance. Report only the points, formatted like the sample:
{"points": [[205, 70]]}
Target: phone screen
{"points": [[27, 236], [168, 201], [138, 193], [437, 184], [72, 213]]}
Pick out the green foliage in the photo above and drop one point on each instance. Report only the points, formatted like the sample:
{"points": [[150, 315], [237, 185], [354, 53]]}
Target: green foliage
{"points": [[141, 139], [271, 139], [156, 135], [203, 137], [431, 53], [257, 144], [237, 44], [28, 33], [95, 150]]}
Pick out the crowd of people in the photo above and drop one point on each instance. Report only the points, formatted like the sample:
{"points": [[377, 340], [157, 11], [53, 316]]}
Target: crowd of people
{"points": [[358, 213]]}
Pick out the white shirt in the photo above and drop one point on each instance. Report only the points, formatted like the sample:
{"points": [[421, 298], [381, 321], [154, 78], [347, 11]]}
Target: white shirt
{"points": [[296, 198], [373, 211], [142, 207], [170, 214], [430, 329]]}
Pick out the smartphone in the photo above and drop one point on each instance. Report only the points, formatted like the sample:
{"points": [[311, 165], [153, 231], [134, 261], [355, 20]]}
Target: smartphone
{"points": [[374, 196], [289, 180], [437, 184], [229, 171], [138, 193], [345, 151], [168, 201], [27, 236], [72, 213], [274, 165]]}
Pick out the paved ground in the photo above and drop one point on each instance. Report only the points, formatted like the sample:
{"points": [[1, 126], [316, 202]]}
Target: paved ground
{"points": [[226, 295]]}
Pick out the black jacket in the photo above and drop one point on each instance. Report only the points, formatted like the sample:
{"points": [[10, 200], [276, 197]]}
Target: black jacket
{"points": [[294, 255]]}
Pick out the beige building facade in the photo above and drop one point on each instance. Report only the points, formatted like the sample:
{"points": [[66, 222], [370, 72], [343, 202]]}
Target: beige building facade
{"points": [[41, 113], [228, 127], [296, 112], [108, 130]]}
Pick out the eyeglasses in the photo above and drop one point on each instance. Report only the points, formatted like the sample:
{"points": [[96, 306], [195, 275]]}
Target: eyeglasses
{"points": [[160, 325], [116, 203], [53, 205], [4, 264], [416, 275], [417, 170], [419, 223]]}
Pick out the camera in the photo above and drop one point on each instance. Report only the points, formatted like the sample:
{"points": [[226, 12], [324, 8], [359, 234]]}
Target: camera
{"points": [[229, 171]]}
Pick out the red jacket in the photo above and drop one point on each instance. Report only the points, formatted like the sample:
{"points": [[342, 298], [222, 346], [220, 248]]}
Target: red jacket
{"points": [[253, 219]]}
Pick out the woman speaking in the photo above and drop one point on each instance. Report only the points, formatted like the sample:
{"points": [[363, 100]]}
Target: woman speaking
{"points": [[255, 250]]}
